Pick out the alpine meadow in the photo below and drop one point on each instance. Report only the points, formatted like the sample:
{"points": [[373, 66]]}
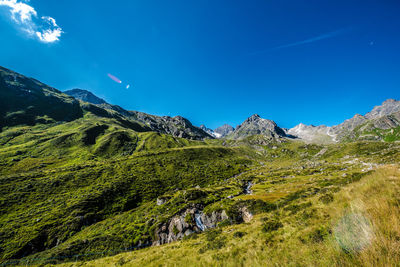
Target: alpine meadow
{"points": [[96, 171]]}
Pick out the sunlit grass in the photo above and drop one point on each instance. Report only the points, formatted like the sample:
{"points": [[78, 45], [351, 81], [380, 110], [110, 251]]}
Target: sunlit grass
{"points": [[307, 237]]}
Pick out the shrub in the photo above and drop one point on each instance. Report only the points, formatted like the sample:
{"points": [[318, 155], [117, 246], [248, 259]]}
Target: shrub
{"points": [[224, 223], [271, 225], [175, 230], [239, 234], [298, 207], [327, 198], [319, 234], [212, 234], [189, 218]]}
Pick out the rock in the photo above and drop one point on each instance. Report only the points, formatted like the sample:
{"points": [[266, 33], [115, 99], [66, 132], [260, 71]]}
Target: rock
{"points": [[246, 214], [161, 201], [178, 226]]}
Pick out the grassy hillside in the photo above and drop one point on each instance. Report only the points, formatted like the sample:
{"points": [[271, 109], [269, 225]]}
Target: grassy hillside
{"points": [[58, 180], [90, 188], [356, 224], [79, 182]]}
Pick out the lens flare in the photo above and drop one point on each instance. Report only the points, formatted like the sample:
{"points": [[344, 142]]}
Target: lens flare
{"points": [[127, 87], [353, 232], [115, 79]]}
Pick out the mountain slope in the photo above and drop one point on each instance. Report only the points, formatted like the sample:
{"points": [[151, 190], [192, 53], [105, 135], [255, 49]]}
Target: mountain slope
{"points": [[85, 95], [210, 131], [224, 130], [176, 126], [25, 101], [255, 125], [311, 133]]}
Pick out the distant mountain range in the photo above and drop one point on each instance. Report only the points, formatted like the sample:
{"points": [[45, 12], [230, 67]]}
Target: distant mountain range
{"points": [[27, 101], [375, 125]]}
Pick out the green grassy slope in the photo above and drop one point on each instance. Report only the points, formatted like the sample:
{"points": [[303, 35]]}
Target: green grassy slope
{"points": [[355, 224], [59, 179], [90, 186]]}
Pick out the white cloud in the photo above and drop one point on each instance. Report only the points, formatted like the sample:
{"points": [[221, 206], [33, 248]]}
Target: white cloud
{"points": [[20, 12], [51, 34], [45, 28]]}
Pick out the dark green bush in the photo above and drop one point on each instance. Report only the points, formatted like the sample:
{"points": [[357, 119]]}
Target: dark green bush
{"points": [[271, 225], [239, 234]]}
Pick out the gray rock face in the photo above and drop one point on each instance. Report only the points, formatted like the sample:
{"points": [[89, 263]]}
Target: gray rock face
{"points": [[255, 125], [311, 133], [388, 107], [388, 121], [177, 126], [224, 130], [191, 220], [85, 95], [210, 131]]}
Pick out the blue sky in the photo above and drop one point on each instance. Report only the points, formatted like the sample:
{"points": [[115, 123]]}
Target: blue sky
{"points": [[214, 62]]}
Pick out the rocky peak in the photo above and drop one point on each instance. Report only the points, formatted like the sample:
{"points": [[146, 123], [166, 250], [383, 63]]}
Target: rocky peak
{"points": [[252, 118], [204, 128], [224, 130], [255, 125], [388, 107], [182, 121], [210, 131], [389, 101], [85, 95]]}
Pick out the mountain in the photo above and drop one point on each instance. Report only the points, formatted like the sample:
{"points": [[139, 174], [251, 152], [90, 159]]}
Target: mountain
{"points": [[176, 126], [81, 181], [255, 125], [224, 130], [210, 131], [85, 95], [369, 126], [388, 107], [26, 101], [311, 133]]}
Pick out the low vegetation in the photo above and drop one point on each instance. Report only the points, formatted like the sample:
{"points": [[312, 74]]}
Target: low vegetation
{"points": [[360, 226], [83, 190]]}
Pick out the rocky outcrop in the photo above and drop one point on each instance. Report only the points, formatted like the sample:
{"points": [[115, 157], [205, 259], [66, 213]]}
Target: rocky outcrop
{"points": [[247, 216], [388, 107], [177, 126], [210, 131], [255, 125], [193, 220]]}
